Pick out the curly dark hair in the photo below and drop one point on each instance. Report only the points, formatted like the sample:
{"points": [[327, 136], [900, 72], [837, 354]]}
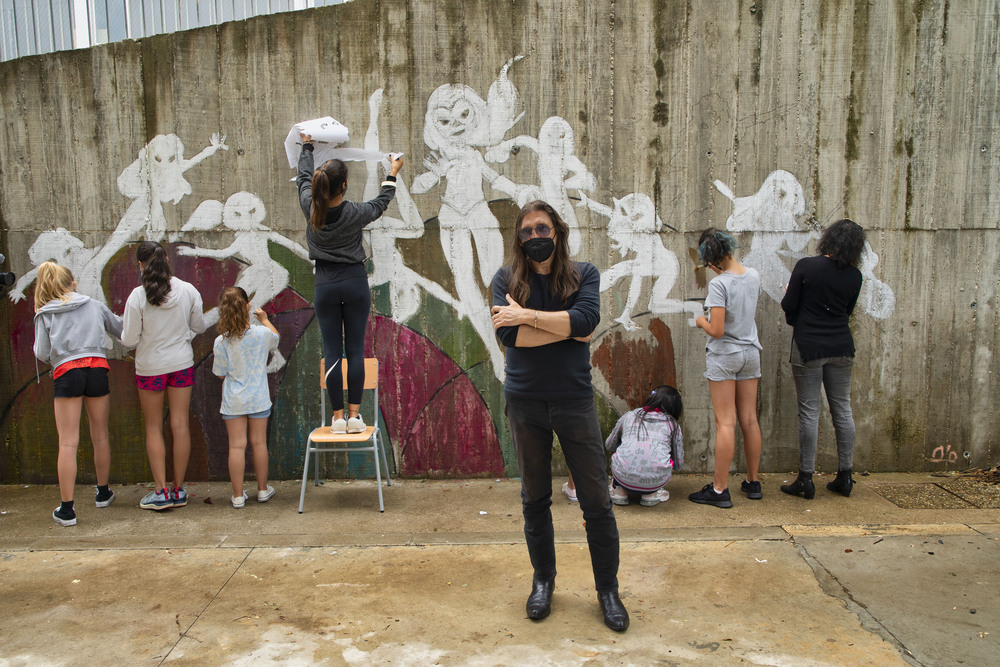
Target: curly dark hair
{"points": [[234, 316], [155, 271], [843, 242]]}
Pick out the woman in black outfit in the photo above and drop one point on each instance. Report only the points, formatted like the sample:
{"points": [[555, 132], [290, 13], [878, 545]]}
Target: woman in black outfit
{"points": [[342, 298], [818, 303], [548, 390]]}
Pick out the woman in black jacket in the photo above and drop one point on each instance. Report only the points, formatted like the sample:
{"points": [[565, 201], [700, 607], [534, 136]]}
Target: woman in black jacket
{"points": [[818, 303]]}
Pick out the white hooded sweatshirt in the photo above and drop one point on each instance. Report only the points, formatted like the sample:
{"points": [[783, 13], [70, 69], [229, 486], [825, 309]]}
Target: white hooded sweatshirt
{"points": [[162, 335]]}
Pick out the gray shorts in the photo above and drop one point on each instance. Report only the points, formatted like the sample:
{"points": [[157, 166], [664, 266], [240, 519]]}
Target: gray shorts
{"points": [[742, 365]]}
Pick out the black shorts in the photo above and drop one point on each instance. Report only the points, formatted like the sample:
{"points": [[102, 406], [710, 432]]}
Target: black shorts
{"points": [[90, 382]]}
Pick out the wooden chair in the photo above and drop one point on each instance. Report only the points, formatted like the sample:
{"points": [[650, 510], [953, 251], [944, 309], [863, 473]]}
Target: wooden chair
{"points": [[322, 439]]}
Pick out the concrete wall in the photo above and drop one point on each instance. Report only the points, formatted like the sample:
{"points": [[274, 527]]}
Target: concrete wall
{"points": [[642, 121]]}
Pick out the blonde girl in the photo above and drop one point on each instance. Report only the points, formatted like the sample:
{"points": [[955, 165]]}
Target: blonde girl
{"points": [[70, 334], [241, 353]]}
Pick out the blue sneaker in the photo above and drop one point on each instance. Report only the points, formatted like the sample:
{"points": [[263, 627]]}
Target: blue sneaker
{"points": [[157, 500], [179, 496]]}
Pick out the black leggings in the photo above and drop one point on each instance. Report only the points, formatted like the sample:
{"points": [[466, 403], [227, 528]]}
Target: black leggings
{"points": [[342, 310]]}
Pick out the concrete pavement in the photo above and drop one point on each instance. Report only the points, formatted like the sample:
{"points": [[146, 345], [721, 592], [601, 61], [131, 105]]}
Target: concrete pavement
{"points": [[903, 571]]}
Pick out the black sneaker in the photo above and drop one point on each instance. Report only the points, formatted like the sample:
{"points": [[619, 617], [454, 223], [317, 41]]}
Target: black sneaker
{"points": [[752, 489], [708, 496], [104, 499], [64, 518]]}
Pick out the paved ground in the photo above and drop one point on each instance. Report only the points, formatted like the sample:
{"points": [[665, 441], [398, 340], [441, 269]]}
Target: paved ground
{"points": [[441, 578]]}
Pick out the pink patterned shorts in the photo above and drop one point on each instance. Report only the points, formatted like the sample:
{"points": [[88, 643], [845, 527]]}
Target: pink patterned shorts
{"points": [[181, 379]]}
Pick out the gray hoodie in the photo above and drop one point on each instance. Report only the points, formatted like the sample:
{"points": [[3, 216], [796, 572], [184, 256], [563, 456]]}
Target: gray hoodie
{"points": [[648, 447], [74, 329]]}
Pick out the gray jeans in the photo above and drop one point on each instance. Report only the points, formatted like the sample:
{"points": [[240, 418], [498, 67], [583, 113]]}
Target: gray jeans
{"points": [[833, 374]]}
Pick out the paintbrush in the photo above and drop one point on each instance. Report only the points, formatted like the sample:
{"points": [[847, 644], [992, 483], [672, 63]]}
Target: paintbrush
{"points": [[700, 275]]}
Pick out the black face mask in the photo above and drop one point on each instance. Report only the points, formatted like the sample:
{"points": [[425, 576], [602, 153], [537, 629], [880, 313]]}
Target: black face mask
{"points": [[539, 249]]}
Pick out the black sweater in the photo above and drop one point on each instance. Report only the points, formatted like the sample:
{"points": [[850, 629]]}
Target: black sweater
{"points": [[818, 304], [558, 370]]}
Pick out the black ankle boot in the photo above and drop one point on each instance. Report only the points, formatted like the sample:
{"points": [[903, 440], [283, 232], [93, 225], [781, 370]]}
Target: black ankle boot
{"points": [[843, 484], [540, 601], [615, 615], [803, 484]]}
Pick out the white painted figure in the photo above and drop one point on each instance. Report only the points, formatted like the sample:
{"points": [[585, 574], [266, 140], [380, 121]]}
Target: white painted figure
{"points": [[262, 278], [633, 227], [877, 297], [559, 170], [66, 250], [390, 269], [457, 123], [771, 215]]}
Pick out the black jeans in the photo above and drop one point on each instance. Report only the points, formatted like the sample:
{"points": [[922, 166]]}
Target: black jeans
{"points": [[342, 310], [532, 423]]}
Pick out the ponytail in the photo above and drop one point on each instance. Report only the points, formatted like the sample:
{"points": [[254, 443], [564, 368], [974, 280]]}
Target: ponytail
{"points": [[328, 181], [155, 272]]}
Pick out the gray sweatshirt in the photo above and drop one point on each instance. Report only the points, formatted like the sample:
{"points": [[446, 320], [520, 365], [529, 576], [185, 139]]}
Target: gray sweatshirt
{"points": [[647, 448], [339, 241], [74, 329]]}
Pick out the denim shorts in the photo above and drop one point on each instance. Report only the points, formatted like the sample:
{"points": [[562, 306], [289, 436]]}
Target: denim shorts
{"points": [[741, 365], [89, 382], [263, 414]]}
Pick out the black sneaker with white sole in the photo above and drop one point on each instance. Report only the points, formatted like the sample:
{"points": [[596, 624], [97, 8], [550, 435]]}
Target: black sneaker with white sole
{"points": [[104, 499], [64, 517]]}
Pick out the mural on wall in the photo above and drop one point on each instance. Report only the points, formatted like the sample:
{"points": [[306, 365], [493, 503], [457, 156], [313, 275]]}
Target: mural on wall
{"points": [[430, 376], [771, 214]]}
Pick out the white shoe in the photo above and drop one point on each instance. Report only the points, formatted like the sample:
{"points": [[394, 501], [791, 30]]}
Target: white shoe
{"points": [[265, 495], [356, 425], [650, 499], [238, 503], [338, 426], [619, 496], [569, 493]]}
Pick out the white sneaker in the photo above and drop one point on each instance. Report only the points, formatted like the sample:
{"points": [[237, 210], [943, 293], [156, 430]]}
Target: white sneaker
{"points": [[569, 493], [238, 503], [619, 496], [650, 499], [265, 495], [338, 426], [355, 425]]}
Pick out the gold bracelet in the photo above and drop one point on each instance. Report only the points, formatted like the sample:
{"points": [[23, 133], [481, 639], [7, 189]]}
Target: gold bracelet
{"points": [[536, 320]]}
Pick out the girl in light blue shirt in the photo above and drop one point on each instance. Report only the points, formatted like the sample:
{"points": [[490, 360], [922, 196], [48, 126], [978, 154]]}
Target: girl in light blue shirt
{"points": [[241, 354]]}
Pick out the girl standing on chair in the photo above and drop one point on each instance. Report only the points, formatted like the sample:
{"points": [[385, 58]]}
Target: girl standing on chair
{"points": [[241, 353], [342, 297]]}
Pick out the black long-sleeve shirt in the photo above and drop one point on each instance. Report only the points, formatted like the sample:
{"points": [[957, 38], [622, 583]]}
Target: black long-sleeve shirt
{"points": [[818, 304], [559, 370]]}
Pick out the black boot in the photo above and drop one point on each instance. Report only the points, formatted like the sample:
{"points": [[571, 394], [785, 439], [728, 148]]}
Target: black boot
{"points": [[803, 484], [843, 484], [540, 601], [615, 615]]}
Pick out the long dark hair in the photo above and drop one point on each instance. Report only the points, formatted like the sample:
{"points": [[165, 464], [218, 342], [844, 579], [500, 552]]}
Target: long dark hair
{"points": [[665, 399], [714, 246], [843, 242], [564, 279], [329, 181], [155, 271]]}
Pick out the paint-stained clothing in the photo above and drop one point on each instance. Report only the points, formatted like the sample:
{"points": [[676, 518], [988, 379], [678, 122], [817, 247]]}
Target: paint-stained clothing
{"points": [[558, 370], [648, 447], [74, 329], [738, 294], [242, 363], [818, 304], [339, 241], [162, 335]]}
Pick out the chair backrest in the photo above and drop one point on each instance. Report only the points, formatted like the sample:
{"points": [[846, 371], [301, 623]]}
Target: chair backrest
{"points": [[371, 373]]}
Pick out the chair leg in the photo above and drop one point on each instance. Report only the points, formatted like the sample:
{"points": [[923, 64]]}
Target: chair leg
{"points": [[305, 476], [378, 471], [381, 446]]}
